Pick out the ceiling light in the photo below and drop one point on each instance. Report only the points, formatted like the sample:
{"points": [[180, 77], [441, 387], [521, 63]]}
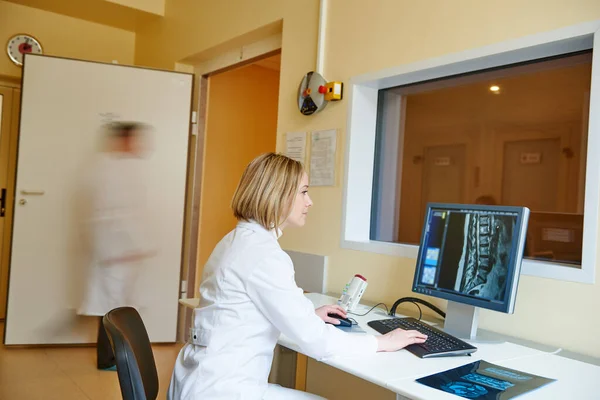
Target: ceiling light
{"points": [[495, 88]]}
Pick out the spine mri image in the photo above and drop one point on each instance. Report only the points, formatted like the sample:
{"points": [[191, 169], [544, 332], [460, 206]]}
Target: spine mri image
{"points": [[482, 269]]}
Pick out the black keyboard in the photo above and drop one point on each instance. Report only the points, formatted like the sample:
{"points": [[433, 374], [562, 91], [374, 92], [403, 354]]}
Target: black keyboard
{"points": [[438, 343]]}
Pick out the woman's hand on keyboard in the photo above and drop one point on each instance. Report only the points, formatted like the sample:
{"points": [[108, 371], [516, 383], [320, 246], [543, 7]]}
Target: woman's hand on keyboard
{"points": [[399, 339]]}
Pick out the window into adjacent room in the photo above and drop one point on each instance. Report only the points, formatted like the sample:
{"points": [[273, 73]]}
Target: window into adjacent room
{"points": [[515, 135]]}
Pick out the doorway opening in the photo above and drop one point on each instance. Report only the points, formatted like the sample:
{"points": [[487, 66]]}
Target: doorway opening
{"points": [[236, 121], [10, 96]]}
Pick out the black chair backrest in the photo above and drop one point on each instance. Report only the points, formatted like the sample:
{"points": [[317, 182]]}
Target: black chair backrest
{"points": [[129, 339]]}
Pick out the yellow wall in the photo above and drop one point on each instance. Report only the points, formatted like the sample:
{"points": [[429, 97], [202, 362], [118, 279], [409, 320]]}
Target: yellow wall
{"points": [[365, 38], [191, 26], [63, 36], [241, 124]]}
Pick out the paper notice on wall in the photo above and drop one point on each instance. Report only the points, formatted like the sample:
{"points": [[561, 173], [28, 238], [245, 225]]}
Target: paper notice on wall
{"points": [[107, 117], [322, 158], [295, 145], [558, 235]]}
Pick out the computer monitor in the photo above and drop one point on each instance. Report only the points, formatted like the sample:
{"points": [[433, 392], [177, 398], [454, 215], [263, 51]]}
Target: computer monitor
{"points": [[471, 256]]}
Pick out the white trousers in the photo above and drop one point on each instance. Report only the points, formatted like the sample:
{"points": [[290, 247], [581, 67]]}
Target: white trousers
{"points": [[276, 392]]}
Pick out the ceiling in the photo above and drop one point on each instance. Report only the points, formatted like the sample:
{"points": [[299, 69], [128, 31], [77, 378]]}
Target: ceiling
{"points": [[99, 11], [551, 93]]}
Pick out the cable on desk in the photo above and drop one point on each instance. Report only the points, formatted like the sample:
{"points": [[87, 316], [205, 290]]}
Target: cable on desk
{"points": [[556, 351], [415, 300], [378, 304], [419, 307]]}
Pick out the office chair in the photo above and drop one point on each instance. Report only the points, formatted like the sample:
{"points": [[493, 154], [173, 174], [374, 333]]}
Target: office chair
{"points": [[136, 368]]}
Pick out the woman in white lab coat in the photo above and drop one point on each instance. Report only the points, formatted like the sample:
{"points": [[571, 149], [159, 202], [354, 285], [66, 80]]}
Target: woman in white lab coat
{"points": [[248, 297], [115, 223]]}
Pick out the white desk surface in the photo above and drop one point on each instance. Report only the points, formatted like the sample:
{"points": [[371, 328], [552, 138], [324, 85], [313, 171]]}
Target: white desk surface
{"points": [[382, 368], [574, 380], [397, 371]]}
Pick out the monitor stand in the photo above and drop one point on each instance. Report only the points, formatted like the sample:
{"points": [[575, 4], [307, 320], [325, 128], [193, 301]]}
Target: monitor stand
{"points": [[462, 320]]}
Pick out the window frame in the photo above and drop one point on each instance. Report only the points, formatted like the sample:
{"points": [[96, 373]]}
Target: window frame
{"points": [[362, 97]]}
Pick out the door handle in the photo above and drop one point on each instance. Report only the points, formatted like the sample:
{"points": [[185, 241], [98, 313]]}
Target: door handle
{"points": [[32, 192], [3, 202]]}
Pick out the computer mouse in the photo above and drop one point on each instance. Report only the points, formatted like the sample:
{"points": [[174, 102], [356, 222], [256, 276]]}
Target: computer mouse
{"points": [[343, 321]]}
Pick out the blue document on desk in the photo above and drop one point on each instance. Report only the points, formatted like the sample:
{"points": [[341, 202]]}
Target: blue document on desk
{"points": [[483, 380]]}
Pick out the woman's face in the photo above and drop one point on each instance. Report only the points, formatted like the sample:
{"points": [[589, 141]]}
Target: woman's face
{"points": [[300, 205]]}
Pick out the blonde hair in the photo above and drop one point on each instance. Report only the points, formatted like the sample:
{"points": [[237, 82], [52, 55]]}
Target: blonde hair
{"points": [[267, 189]]}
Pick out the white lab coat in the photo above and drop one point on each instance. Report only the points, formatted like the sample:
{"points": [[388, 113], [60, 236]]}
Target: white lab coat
{"points": [[248, 297], [114, 223]]}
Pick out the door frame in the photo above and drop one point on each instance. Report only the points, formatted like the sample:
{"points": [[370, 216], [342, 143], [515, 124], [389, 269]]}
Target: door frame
{"points": [[224, 61], [233, 58]]}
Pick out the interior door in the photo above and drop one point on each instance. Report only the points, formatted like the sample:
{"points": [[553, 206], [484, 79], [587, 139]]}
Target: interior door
{"points": [[444, 175], [65, 103], [531, 174]]}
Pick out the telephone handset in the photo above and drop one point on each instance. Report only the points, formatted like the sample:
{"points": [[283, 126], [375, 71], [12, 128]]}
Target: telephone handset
{"points": [[352, 292]]}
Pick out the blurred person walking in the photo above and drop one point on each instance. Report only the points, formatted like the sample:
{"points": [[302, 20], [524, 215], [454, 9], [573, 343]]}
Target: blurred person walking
{"points": [[115, 222]]}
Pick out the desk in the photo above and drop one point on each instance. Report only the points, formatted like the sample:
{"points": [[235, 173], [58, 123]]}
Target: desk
{"points": [[397, 371]]}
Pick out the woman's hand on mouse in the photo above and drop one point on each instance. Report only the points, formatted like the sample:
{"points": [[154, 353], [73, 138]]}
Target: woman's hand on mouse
{"points": [[399, 339], [331, 309]]}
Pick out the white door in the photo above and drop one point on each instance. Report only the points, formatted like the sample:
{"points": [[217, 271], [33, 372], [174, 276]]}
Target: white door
{"points": [[64, 104], [531, 174], [444, 175]]}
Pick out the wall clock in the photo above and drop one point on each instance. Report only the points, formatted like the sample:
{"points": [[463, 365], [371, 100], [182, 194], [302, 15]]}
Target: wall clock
{"points": [[21, 44]]}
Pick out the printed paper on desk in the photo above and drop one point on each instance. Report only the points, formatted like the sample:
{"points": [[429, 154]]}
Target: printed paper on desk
{"points": [[295, 146], [322, 158], [485, 381]]}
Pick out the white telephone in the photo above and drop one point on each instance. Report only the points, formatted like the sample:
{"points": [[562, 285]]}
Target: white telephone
{"points": [[352, 292]]}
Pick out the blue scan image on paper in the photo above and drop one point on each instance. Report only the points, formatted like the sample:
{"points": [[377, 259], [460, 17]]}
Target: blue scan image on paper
{"points": [[509, 374], [484, 381], [464, 389], [488, 381]]}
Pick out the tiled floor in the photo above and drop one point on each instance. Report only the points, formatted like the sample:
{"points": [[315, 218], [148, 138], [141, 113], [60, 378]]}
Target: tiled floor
{"points": [[68, 373]]}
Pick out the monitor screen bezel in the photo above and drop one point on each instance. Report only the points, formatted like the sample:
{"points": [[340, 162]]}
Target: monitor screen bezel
{"points": [[516, 258]]}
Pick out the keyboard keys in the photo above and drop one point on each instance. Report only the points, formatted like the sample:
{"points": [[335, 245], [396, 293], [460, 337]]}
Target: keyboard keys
{"points": [[438, 342]]}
